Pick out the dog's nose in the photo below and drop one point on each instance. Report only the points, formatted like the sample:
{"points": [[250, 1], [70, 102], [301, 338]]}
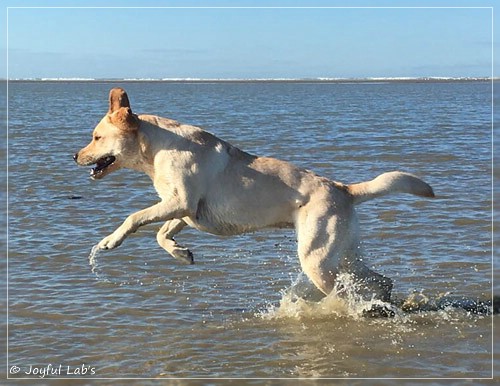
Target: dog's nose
{"points": [[75, 157]]}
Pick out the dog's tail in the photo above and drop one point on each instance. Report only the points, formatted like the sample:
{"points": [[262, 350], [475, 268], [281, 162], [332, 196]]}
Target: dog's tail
{"points": [[388, 183]]}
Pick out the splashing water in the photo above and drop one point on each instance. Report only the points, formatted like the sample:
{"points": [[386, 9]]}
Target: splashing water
{"points": [[303, 300], [103, 276], [94, 252], [92, 259]]}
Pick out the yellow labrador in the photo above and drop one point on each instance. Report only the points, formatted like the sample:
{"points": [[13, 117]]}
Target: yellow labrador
{"points": [[210, 185]]}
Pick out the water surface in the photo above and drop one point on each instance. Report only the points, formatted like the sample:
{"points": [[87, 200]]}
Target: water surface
{"points": [[140, 313]]}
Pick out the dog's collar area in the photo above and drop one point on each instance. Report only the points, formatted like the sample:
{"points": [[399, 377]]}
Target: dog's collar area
{"points": [[102, 164]]}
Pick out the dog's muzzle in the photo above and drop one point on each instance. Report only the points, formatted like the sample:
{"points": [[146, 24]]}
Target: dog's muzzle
{"points": [[100, 165]]}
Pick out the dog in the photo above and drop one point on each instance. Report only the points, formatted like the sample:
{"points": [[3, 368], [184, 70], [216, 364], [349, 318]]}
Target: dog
{"points": [[210, 185]]}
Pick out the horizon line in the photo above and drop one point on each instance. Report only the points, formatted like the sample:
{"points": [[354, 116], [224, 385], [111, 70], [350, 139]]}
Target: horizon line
{"points": [[256, 79]]}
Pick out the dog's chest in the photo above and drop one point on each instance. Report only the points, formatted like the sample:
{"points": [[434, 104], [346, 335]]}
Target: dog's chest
{"points": [[217, 219]]}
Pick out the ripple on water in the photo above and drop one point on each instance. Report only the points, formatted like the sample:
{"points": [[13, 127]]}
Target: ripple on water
{"points": [[135, 311]]}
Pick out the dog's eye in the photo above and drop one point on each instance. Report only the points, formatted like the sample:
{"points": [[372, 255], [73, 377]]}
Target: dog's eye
{"points": [[97, 137]]}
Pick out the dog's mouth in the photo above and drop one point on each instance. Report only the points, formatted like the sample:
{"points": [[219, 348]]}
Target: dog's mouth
{"points": [[102, 166]]}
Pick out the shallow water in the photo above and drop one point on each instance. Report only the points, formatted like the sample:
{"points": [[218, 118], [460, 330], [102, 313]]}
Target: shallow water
{"points": [[136, 312]]}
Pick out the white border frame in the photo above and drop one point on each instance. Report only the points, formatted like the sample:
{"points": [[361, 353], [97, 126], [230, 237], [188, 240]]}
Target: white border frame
{"points": [[91, 378]]}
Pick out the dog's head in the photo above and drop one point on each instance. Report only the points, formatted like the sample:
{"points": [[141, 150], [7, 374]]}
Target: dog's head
{"points": [[114, 140]]}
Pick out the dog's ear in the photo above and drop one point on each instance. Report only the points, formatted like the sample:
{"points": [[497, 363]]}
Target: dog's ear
{"points": [[124, 119], [117, 99]]}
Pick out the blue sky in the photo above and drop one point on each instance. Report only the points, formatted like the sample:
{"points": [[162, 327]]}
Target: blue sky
{"points": [[247, 43]]}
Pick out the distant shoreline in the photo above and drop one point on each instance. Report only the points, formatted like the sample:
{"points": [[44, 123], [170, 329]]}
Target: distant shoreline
{"points": [[279, 80]]}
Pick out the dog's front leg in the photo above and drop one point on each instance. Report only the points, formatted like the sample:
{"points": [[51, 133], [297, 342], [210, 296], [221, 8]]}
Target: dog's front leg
{"points": [[165, 238], [160, 212]]}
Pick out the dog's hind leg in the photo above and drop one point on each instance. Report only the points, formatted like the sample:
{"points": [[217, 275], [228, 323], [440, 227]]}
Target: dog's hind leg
{"points": [[165, 238], [370, 283], [328, 245], [322, 238]]}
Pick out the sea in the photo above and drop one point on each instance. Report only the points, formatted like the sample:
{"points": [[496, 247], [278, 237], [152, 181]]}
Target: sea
{"points": [[136, 315]]}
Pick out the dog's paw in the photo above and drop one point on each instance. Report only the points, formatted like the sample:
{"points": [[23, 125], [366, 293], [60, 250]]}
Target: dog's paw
{"points": [[110, 242], [183, 254]]}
